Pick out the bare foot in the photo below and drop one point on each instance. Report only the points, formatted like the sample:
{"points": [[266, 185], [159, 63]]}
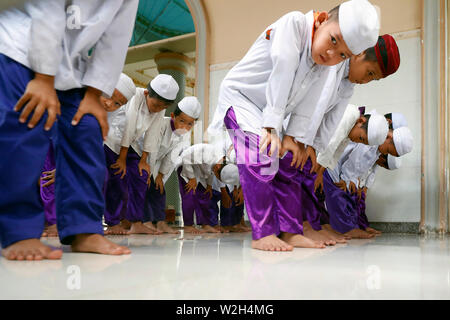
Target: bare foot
{"points": [[242, 228], [125, 224], [372, 230], [117, 229], [209, 229], [30, 249], [222, 229], [233, 229], [338, 234], [310, 233], [271, 243], [332, 236], [165, 228], [359, 234], [193, 230], [96, 243], [140, 228], [299, 241]]}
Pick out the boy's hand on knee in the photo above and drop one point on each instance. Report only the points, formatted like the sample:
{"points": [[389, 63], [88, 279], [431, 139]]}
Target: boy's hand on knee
{"points": [[120, 164], [91, 105], [318, 183], [39, 96], [352, 187], [209, 191], [191, 185], [50, 176], [289, 144], [341, 185], [311, 154], [144, 166], [226, 200], [159, 183], [269, 136]]}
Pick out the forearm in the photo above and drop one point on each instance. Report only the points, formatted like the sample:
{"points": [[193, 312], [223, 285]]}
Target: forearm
{"points": [[123, 153]]}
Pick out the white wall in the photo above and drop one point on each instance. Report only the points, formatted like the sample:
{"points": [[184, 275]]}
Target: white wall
{"points": [[395, 196]]}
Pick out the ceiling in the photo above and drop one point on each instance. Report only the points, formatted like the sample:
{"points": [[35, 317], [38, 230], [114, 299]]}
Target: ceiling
{"points": [[161, 25]]}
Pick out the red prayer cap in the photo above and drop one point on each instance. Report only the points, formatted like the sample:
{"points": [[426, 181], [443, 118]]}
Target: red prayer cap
{"points": [[387, 54]]}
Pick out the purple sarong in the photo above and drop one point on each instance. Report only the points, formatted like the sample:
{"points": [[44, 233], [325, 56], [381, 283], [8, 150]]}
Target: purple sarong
{"points": [[155, 204], [287, 188], [48, 192], [341, 206], [115, 191], [256, 174], [233, 215], [190, 203], [137, 188], [363, 222]]}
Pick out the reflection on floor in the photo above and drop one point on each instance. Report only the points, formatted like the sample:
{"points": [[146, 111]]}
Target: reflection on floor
{"points": [[223, 266]]}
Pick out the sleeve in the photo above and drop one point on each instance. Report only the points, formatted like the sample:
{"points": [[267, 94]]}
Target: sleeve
{"points": [[349, 172], [285, 55], [108, 58], [371, 177], [130, 121], [330, 156], [48, 25], [308, 114], [169, 161], [152, 137]]}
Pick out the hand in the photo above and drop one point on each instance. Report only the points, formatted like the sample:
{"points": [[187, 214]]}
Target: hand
{"points": [[40, 95], [91, 105], [342, 185], [143, 165], [235, 194], [50, 176], [297, 149], [352, 187], [365, 190], [209, 190], [360, 190], [191, 185], [159, 183], [226, 200], [240, 197], [310, 154], [318, 183], [269, 136], [120, 164]]}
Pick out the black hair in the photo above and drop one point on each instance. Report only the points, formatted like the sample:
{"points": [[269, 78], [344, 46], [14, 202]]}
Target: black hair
{"points": [[370, 55], [333, 14], [177, 111], [389, 117], [152, 94], [365, 125]]}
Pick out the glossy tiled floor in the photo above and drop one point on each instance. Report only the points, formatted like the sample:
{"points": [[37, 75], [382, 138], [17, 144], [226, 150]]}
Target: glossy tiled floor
{"points": [[224, 267]]}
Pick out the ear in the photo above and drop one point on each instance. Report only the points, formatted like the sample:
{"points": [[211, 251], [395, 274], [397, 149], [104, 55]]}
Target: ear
{"points": [[389, 121], [321, 18], [146, 92], [172, 115], [361, 120]]}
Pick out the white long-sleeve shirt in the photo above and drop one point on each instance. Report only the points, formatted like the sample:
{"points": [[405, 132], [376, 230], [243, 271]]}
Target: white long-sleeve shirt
{"points": [[275, 75], [197, 162], [170, 148], [359, 163], [332, 153], [315, 119], [81, 43], [131, 123]]}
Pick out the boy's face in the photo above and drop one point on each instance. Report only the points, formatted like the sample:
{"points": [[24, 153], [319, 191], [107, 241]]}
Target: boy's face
{"points": [[358, 134], [363, 71], [183, 123], [115, 102], [388, 146], [328, 46], [154, 105]]}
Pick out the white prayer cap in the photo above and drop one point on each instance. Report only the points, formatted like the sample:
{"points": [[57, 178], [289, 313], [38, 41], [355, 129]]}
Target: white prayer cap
{"points": [[398, 120], [230, 174], [403, 140], [377, 129], [359, 23], [126, 86], [165, 86], [190, 106], [393, 162]]}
